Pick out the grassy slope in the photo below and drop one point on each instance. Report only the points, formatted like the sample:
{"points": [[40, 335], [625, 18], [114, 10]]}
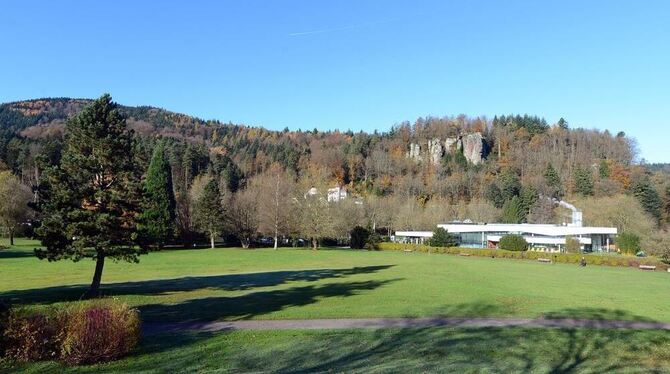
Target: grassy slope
{"points": [[266, 284], [402, 351]]}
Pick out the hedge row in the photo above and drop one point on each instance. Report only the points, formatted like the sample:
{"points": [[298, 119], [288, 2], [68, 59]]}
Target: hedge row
{"points": [[86, 333], [569, 258]]}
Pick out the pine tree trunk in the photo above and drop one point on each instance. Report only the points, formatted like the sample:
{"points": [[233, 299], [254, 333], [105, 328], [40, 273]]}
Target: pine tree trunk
{"points": [[11, 237], [94, 290]]}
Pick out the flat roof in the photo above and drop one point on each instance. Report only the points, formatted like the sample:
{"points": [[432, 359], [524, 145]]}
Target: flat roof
{"points": [[521, 228], [529, 228]]}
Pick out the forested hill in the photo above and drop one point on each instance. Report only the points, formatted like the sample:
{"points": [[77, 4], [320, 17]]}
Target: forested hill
{"points": [[431, 170], [506, 141]]}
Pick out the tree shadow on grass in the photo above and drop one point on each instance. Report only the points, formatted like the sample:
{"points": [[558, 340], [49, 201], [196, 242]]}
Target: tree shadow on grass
{"points": [[15, 253], [486, 350], [434, 349], [491, 349], [228, 282], [596, 314], [252, 304]]}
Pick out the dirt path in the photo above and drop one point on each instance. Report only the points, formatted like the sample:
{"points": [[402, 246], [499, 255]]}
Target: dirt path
{"points": [[376, 323]]}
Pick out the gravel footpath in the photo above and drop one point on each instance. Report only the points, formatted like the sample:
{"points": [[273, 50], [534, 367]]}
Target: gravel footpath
{"points": [[379, 323]]}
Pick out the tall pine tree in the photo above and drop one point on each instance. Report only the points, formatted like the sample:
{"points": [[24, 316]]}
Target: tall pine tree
{"points": [[510, 185], [649, 199], [89, 203], [553, 181], [513, 211], [583, 182], [208, 212], [157, 220]]}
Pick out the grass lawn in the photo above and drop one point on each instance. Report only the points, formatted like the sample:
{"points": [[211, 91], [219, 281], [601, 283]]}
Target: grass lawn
{"points": [[395, 350], [231, 284]]}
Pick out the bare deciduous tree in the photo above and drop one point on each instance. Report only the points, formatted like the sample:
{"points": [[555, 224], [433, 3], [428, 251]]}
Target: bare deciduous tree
{"points": [[14, 198], [242, 215], [276, 208]]}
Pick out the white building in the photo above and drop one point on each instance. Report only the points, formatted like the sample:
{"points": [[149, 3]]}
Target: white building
{"points": [[549, 238], [336, 194]]}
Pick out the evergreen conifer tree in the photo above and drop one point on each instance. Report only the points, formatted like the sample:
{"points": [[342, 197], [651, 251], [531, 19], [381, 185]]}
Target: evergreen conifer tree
{"points": [[208, 212], [89, 202], [649, 199], [513, 211], [553, 181], [157, 219], [583, 182]]}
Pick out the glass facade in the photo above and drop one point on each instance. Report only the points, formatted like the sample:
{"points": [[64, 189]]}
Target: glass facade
{"points": [[472, 239]]}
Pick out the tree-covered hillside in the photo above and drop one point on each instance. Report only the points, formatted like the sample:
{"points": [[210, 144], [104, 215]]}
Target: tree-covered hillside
{"points": [[411, 177]]}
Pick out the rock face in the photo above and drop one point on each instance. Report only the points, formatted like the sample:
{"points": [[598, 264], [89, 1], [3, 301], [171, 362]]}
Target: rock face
{"points": [[472, 145], [414, 152], [451, 144], [435, 151]]}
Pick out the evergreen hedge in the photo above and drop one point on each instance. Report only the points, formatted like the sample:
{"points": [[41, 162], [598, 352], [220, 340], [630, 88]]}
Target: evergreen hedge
{"points": [[567, 258]]}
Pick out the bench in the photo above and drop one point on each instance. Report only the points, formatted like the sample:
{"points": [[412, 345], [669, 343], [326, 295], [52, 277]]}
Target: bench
{"points": [[407, 250], [647, 267], [464, 254], [546, 260]]}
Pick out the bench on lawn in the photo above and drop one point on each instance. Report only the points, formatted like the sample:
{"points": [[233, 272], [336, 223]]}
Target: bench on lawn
{"points": [[464, 254], [647, 267], [407, 250], [547, 260]]}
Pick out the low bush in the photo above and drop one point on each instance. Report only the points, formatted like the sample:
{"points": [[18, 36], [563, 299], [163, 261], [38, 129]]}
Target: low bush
{"points": [[372, 244], [31, 336], [99, 332], [86, 333], [628, 243], [359, 237], [442, 238], [4, 319], [513, 243], [568, 258]]}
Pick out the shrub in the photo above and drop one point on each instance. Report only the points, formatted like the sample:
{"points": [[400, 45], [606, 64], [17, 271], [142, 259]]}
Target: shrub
{"points": [[513, 243], [86, 333], [31, 336], [99, 332], [628, 243], [4, 319], [373, 241], [572, 245], [441, 238], [359, 237]]}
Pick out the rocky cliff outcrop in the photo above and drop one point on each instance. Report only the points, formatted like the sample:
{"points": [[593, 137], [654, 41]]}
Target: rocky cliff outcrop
{"points": [[435, 151], [414, 152], [452, 144], [472, 145]]}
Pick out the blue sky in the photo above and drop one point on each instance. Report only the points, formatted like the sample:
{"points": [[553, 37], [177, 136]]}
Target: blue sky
{"points": [[352, 64]]}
